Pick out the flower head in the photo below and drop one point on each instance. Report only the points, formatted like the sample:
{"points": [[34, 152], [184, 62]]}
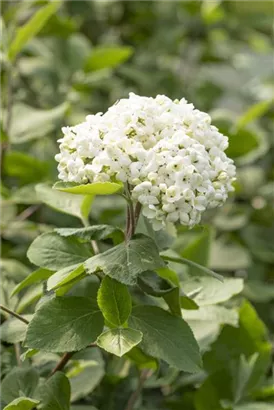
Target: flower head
{"points": [[167, 151]]}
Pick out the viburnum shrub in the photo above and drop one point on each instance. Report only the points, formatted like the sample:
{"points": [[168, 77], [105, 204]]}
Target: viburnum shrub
{"points": [[169, 164]]}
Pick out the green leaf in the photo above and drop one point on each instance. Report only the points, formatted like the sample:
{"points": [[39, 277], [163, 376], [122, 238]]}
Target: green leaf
{"points": [[64, 324], [34, 277], [208, 291], [119, 341], [31, 28], [55, 393], [255, 111], [107, 57], [22, 403], [166, 337], [70, 204], [20, 380], [13, 330], [126, 261], [155, 285], [64, 276], [228, 256], [97, 188], [188, 262], [85, 372], [114, 301], [96, 232], [24, 167], [54, 252], [32, 123]]}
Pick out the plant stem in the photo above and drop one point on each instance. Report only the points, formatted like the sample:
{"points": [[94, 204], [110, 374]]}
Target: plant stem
{"points": [[17, 353], [5, 309], [144, 375], [62, 363]]}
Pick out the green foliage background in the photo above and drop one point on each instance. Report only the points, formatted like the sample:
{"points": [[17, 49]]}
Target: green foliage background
{"points": [[80, 58]]}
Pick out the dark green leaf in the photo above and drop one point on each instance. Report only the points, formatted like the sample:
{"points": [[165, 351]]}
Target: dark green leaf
{"points": [[96, 232], [64, 324], [166, 337], [51, 251], [127, 260]]}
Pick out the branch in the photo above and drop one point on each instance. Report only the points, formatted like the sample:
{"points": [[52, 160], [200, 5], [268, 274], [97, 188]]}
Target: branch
{"points": [[62, 363], [144, 375], [5, 309]]}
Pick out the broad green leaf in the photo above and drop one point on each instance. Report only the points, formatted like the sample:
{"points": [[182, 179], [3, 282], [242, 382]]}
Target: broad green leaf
{"points": [[31, 28], [166, 337], [208, 291], [119, 341], [114, 301], [54, 394], [228, 256], [51, 251], [64, 324], [192, 264], [64, 276], [255, 111], [19, 381], [96, 232], [85, 372], [30, 123], [107, 57], [34, 277], [25, 167], [126, 261], [97, 188], [14, 330], [22, 403], [64, 202]]}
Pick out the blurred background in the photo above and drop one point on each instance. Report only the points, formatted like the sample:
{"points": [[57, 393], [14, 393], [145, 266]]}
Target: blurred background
{"points": [[216, 54]]}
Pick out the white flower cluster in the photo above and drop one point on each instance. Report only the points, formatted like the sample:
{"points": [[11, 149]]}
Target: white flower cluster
{"points": [[167, 151]]}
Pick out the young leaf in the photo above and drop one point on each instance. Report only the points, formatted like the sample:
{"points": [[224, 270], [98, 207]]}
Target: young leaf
{"points": [[114, 301], [64, 202], [119, 341], [64, 324], [166, 337], [36, 276], [97, 188], [22, 403], [126, 261], [54, 252], [65, 275], [32, 27], [55, 393], [19, 381], [107, 57], [96, 232]]}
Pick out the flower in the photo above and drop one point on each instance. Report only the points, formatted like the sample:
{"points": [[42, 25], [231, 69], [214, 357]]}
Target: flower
{"points": [[167, 151]]}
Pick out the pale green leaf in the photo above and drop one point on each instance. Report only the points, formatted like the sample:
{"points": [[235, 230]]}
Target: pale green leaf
{"points": [[64, 202], [14, 330], [34, 277], [64, 324], [31, 28], [166, 337], [22, 403], [114, 301], [126, 261], [255, 111], [64, 276], [51, 251], [119, 341], [96, 188]]}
